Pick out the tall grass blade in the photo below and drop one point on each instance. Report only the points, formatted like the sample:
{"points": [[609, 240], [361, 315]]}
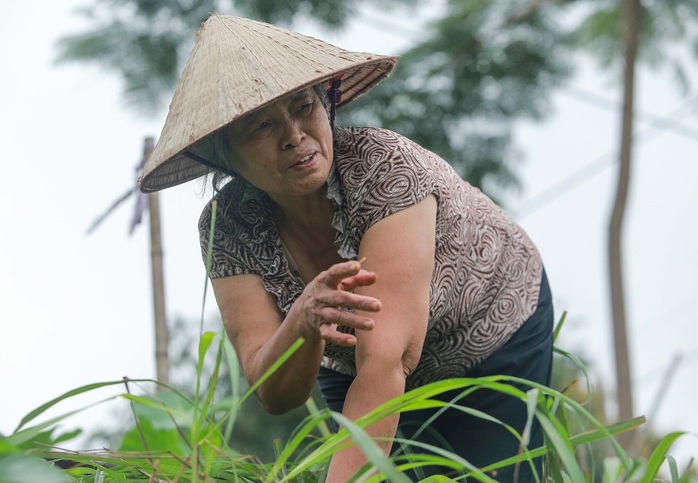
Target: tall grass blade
{"points": [[673, 468], [447, 459], [30, 433], [658, 456], [234, 374], [209, 254], [558, 327], [577, 440], [371, 450], [298, 437], [578, 364], [74, 392], [159, 406], [563, 447], [315, 412], [284, 357]]}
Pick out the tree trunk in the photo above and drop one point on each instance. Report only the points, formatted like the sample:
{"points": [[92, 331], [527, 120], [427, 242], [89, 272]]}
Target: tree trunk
{"points": [[631, 27], [162, 335]]}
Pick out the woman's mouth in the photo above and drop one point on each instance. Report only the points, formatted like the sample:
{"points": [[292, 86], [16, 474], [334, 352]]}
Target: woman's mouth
{"points": [[304, 160]]}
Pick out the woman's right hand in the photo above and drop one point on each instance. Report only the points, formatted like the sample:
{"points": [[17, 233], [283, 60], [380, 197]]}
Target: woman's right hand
{"points": [[322, 305]]}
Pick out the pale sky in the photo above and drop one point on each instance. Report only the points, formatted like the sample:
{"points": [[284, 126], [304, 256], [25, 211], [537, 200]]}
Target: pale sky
{"points": [[77, 309]]}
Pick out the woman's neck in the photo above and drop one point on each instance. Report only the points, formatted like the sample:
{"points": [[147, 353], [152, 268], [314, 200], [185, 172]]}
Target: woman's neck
{"points": [[309, 215], [306, 230]]}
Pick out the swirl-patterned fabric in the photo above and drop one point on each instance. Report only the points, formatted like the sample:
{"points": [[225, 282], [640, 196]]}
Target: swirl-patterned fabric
{"points": [[487, 272]]}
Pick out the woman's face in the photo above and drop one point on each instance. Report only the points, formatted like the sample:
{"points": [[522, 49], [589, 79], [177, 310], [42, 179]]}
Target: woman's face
{"points": [[284, 149]]}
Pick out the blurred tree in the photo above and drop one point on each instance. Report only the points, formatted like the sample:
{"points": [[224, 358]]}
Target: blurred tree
{"points": [[475, 71], [619, 34], [147, 42], [459, 90]]}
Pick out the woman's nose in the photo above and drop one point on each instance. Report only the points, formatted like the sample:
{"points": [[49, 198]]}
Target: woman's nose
{"points": [[292, 134]]}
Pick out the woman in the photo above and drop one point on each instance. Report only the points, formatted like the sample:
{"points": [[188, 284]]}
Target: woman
{"points": [[448, 285]]}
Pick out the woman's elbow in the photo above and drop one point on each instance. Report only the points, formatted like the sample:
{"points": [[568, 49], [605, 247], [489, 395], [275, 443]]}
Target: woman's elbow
{"points": [[280, 404], [408, 366], [401, 365]]}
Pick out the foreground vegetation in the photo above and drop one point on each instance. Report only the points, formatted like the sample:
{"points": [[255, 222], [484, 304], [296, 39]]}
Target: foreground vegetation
{"points": [[175, 438]]}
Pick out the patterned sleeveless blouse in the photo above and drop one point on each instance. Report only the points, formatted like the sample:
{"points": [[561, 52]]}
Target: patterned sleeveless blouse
{"points": [[487, 272]]}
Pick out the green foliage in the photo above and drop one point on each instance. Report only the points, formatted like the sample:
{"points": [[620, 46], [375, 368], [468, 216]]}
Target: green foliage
{"points": [[459, 90], [256, 432], [142, 40], [177, 438], [666, 29], [146, 42], [23, 468]]}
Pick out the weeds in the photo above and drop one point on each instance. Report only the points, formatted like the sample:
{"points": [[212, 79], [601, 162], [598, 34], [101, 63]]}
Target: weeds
{"points": [[175, 438]]}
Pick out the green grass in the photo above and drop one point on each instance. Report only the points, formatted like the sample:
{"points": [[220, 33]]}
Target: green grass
{"points": [[175, 438]]}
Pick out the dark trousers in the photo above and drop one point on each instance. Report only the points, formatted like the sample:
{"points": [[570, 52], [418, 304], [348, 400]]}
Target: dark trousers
{"points": [[527, 355]]}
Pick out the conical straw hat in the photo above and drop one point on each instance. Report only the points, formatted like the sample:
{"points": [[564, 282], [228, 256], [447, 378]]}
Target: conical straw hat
{"points": [[239, 65]]}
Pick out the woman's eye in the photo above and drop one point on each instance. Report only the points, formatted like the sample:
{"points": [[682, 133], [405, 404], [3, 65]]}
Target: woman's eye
{"points": [[305, 107], [263, 125]]}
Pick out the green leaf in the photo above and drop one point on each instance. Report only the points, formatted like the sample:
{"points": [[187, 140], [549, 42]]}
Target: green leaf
{"points": [[46, 439], [22, 468], [7, 447], [80, 390], [284, 357], [436, 479], [20, 437], [658, 456], [167, 411], [673, 468], [204, 343], [612, 469], [145, 401], [146, 437], [559, 325]]}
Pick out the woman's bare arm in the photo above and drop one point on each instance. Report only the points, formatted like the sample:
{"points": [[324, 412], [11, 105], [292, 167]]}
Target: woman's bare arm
{"points": [[261, 334], [400, 250]]}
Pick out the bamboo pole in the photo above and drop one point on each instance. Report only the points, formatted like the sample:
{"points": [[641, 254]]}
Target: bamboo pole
{"points": [[162, 335], [624, 391]]}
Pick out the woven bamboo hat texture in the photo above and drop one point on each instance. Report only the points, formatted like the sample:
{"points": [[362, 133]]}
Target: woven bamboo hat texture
{"points": [[240, 65]]}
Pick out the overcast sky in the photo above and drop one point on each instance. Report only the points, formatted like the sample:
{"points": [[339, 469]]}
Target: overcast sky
{"points": [[76, 309]]}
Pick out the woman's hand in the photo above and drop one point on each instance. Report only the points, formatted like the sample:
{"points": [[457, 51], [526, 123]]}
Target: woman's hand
{"points": [[323, 304]]}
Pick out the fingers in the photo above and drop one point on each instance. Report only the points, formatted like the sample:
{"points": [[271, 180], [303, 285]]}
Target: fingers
{"points": [[361, 279], [337, 338], [329, 301], [349, 300], [329, 333], [333, 336], [332, 316], [348, 276], [339, 271]]}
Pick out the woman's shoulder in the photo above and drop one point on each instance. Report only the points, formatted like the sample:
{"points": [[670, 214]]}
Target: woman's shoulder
{"points": [[236, 209], [369, 147], [219, 199], [357, 140]]}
